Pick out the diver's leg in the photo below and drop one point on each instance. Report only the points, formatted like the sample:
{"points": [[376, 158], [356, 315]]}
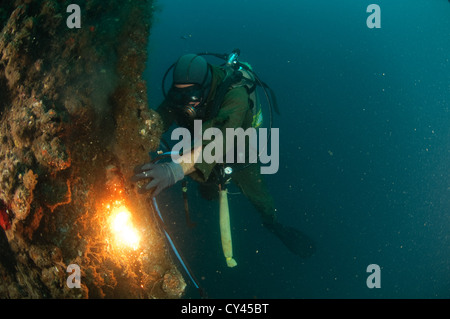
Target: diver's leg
{"points": [[253, 186]]}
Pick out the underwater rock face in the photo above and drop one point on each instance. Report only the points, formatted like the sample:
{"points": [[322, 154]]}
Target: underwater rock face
{"points": [[74, 123]]}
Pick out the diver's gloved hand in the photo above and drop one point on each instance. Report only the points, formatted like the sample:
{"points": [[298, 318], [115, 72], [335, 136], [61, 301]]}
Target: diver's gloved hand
{"points": [[297, 242], [163, 175]]}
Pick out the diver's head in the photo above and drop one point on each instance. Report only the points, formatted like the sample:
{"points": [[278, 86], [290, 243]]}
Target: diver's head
{"points": [[191, 85]]}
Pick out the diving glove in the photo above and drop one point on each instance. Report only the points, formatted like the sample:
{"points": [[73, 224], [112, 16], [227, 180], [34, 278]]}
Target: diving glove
{"points": [[163, 175], [297, 242]]}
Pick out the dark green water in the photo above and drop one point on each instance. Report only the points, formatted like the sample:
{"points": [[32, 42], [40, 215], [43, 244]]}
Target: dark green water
{"points": [[364, 146]]}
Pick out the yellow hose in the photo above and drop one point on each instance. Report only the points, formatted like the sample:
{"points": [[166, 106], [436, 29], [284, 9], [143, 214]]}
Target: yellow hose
{"points": [[225, 230]]}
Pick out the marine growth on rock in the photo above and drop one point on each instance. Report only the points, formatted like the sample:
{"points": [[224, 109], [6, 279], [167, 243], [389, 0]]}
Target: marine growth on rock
{"points": [[74, 122]]}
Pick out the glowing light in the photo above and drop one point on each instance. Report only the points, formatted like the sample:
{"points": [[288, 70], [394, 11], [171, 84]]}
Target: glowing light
{"points": [[123, 229]]}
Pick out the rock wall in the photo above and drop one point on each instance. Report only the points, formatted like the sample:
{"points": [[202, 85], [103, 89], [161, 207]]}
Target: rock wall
{"points": [[74, 121]]}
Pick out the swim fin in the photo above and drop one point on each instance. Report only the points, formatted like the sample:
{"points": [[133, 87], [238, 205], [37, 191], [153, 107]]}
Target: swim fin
{"points": [[297, 242]]}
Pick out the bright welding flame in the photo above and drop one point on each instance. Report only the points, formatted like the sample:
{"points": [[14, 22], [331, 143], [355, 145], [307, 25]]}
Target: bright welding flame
{"points": [[123, 229]]}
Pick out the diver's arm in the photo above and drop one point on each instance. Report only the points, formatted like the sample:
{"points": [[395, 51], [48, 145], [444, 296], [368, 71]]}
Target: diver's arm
{"points": [[234, 109], [187, 161]]}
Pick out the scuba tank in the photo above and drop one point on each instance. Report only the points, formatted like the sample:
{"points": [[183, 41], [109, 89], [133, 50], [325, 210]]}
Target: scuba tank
{"points": [[246, 78], [242, 74]]}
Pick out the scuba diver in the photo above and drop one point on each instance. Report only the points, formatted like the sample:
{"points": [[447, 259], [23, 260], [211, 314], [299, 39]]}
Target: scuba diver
{"points": [[221, 98]]}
